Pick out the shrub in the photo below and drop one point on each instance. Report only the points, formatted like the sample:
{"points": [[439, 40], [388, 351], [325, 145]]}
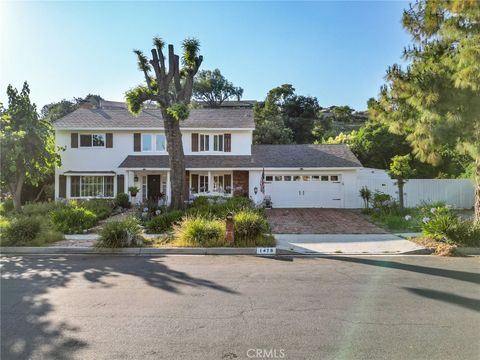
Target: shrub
{"points": [[41, 208], [119, 234], [438, 224], [381, 201], [73, 219], [122, 200], [464, 232], [163, 222], [22, 230], [6, 206], [249, 224], [366, 196], [102, 208], [218, 207], [199, 231]]}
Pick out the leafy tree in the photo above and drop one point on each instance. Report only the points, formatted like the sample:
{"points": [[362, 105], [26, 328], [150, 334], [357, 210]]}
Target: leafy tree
{"points": [[269, 125], [401, 171], [435, 100], [172, 90], [213, 88], [343, 113], [56, 110], [285, 116], [300, 114], [28, 153]]}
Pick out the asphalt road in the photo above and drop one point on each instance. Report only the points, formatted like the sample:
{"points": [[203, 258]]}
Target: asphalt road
{"points": [[233, 307]]}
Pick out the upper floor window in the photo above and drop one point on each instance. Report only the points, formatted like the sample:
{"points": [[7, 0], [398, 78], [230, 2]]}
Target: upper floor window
{"points": [[92, 140], [204, 142], [154, 142], [218, 142]]}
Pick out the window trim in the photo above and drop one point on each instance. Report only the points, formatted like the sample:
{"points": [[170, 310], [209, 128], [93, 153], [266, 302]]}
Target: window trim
{"points": [[216, 141], [153, 138], [200, 142], [81, 196], [80, 146]]}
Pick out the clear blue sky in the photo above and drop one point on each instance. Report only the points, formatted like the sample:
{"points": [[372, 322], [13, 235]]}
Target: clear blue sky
{"points": [[336, 51]]}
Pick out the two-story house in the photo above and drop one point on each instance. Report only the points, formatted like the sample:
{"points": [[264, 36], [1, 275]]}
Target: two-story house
{"points": [[107, 150]]}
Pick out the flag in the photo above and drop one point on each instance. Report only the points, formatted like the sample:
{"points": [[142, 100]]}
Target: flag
{"points": [[262, 182]]}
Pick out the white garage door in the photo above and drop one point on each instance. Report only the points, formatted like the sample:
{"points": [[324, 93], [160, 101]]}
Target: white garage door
{"points": [[314, 191]]}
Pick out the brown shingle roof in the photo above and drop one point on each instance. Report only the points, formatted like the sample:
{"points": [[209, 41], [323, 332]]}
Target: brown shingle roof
{"points": [[268, 156], [110, 117]]}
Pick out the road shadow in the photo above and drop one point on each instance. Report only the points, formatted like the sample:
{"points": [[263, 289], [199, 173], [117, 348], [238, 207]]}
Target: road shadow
{"points": [[446, 273], [469, 303], [25, 308]]}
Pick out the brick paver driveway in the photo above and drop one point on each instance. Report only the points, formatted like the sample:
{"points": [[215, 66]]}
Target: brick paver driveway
{"points": [[320, 221]]}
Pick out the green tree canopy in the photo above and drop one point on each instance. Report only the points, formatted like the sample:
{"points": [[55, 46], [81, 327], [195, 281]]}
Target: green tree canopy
{"points": [[212, 88], [435, 101], [27, 144]]}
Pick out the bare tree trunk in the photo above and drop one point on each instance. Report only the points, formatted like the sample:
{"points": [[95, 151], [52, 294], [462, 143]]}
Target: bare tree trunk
{"points": [[40, 193], [477, 190], [177, 161], [400, 183], [17, 192]]}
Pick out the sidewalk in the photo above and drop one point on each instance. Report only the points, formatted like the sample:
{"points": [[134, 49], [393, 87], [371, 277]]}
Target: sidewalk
{"points": [[347, 244]]}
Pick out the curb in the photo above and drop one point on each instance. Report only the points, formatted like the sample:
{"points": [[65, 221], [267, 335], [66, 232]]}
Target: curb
{"points": [[127, 251], [467, 251]]}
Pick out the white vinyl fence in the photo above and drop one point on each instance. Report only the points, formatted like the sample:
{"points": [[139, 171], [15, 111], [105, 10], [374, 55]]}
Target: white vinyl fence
{"points": [[455, 192]]}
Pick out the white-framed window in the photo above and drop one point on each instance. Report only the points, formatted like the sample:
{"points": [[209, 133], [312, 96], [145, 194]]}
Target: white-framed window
{"points": [[154, 142], [269, 178], [324, 178], [218, 142], [334, 178], [91, 186], [278, 177], [218, 183], [204, 140], [160, 142], [92, 140], [202, 183]]}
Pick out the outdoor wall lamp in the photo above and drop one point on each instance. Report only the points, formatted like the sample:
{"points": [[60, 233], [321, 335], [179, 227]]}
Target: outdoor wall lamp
{"points": [[255, 190], [135, 178]]}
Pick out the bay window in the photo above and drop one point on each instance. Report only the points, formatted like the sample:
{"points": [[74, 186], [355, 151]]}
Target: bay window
{"points": [[91, 186]]}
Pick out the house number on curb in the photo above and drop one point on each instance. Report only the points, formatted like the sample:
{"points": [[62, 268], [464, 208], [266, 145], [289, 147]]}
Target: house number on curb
{"points": [[266, 251]]}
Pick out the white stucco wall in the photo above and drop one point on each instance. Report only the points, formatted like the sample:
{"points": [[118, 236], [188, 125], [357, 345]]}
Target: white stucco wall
{"points": [[103, 159]]}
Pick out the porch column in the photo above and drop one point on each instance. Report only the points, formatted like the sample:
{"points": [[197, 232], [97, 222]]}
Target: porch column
{"points": [[169, 188], [130, 182], [210, 185]]}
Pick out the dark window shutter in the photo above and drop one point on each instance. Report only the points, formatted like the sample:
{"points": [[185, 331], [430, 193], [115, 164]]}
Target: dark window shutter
{"points": [[228, 143], [227, 183], [109, 140], [194, 142], [74, 140], [62, 191], [136, 142], [120, 184], [194, 184]]}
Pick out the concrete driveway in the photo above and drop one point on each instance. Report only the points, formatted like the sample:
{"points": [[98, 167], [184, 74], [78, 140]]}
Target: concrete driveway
{"points": [[326, 231], [346, 244]]}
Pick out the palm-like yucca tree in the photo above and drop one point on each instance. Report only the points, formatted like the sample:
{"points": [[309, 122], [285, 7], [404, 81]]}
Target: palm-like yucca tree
{"points": [[171, 88]]}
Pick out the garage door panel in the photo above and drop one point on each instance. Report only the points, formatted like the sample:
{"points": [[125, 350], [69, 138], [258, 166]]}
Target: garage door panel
{"points": [[308, 193]]}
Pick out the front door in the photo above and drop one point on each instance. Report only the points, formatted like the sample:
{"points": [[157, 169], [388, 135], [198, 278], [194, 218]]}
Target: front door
{"points": [[153, 187]]}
